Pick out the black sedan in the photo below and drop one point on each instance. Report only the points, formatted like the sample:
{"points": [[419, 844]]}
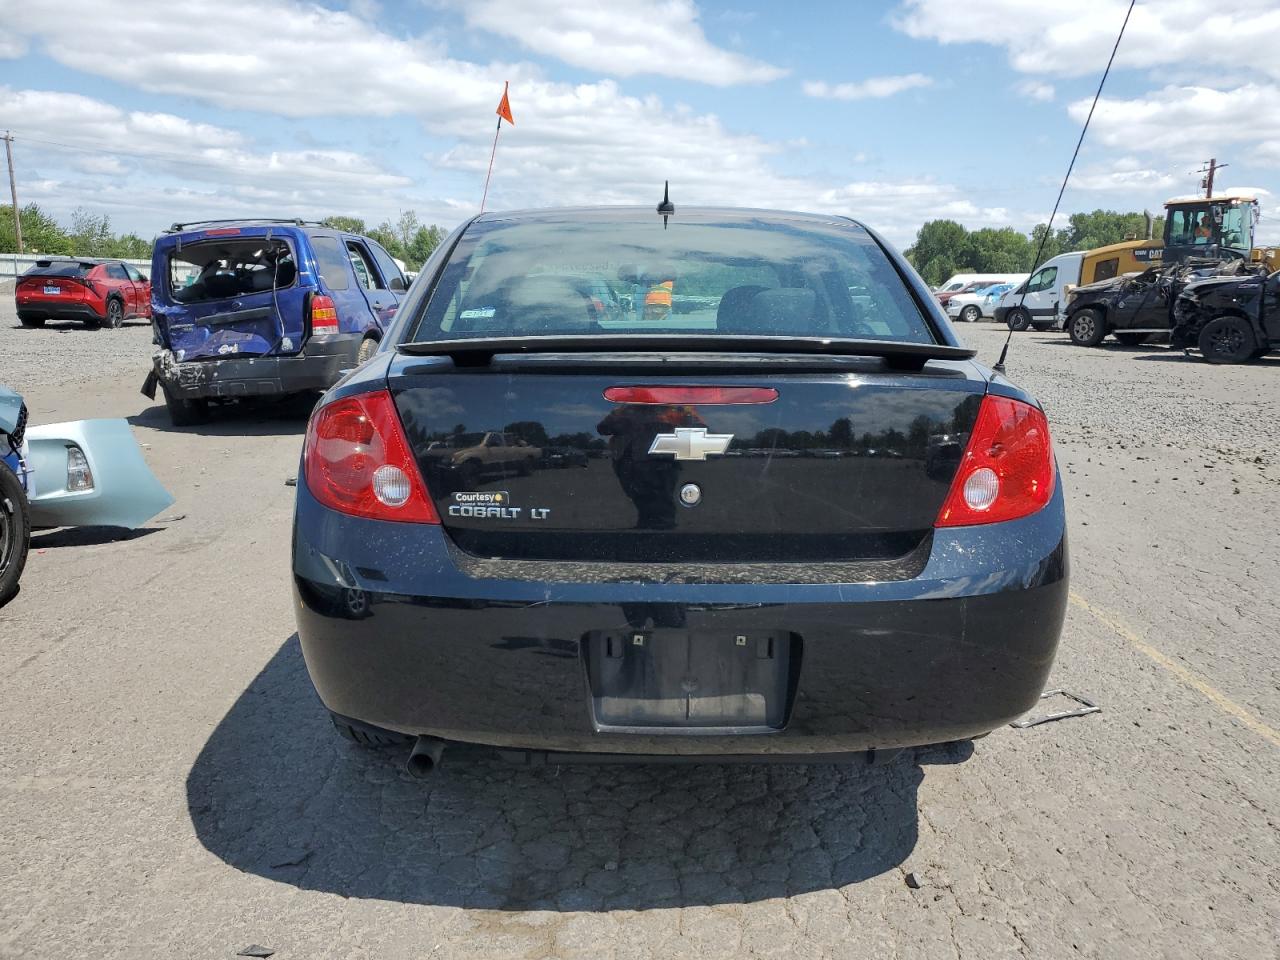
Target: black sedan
{"points": [[707, 586]]}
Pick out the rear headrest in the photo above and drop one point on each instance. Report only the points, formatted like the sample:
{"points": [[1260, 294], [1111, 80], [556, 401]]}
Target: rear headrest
{"points": [[732, 316], [789, 310]]}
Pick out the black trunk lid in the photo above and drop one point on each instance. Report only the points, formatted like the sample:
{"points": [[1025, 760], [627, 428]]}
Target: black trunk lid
{"points": [[526, 458]]}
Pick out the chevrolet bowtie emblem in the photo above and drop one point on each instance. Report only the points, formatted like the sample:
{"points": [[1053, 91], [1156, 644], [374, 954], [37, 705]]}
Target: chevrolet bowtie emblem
{"points": [[690, 443]]}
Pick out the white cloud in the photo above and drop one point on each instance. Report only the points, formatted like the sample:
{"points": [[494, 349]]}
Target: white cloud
{"points": [[12, 46], [619, 38], [1036, 90], [871, 88], [1188, 124], [98, 137], [583, 143], [1127, 175], [1076, 39]]}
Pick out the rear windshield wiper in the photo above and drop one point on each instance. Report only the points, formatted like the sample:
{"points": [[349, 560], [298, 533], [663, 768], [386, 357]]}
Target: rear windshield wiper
{"points": [[479, 351]]}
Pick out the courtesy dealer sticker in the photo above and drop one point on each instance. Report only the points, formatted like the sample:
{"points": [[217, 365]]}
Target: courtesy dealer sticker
{"points": [[491, 504]]}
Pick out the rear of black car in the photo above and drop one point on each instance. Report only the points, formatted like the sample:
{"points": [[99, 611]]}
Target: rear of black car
{"points": [[805, 522]]}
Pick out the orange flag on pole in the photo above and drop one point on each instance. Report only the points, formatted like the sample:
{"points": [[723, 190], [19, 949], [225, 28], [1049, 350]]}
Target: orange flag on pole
{"points": [[504, 113], [504, 107]]}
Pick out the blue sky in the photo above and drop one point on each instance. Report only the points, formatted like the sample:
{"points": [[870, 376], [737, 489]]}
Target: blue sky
{"points": [[895, 113]]}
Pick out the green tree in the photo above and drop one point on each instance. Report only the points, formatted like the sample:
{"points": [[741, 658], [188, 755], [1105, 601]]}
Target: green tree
{"points": [[1101, 227], [91, 234], [40, 232], [997, 251], [386, 235], [406, 227], [937, 251], [130, 246], [424, 242], [344, 223], [1054, 244]]}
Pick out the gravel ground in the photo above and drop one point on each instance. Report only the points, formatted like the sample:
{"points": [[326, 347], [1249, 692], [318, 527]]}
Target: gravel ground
{"points": [[169, 785]]}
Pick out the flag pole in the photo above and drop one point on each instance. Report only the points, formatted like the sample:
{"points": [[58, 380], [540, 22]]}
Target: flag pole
{"points": [[492, 154]]}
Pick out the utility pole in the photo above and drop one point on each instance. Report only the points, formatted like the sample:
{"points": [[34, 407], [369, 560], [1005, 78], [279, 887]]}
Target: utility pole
{"points": [[13, 189], [1209, 169]]}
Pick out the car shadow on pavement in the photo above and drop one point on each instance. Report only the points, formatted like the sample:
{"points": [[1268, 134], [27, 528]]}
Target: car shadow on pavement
{"points": [[86, 536], [275, 792], [260, 418], [1179, 356], [62, 326]]}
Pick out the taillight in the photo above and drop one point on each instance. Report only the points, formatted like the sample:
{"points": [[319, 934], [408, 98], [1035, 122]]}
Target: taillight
{"points": [[357, 461], [324, 315], [691, 395], [1007, 468]]}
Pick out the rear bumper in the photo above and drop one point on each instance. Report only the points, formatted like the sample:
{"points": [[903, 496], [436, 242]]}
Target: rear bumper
{"points": [[51, 310], [429, 648], [318, 366]]}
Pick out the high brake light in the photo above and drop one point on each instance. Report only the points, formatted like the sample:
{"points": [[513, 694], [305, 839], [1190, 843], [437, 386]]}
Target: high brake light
{"points": [[324, 314], [357, 461], [1007, 468], [691, 395]]}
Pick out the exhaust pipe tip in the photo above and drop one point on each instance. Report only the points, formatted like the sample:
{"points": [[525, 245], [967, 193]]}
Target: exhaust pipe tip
{"points": [[425, 757]]}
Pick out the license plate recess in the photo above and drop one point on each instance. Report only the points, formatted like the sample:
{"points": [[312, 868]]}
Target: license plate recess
{"points": [[667, 680]]}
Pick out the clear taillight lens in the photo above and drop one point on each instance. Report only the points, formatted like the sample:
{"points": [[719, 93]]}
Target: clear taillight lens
{"points": [[79, 476]]}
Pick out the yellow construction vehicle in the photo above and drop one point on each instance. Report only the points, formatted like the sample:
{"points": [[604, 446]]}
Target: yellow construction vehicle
{"points": [[1209, 227]]}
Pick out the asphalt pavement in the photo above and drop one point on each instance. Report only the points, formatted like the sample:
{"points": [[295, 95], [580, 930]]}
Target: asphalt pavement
{"points": [[171, 787]]}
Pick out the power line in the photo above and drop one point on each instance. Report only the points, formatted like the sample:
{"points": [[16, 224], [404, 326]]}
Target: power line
{"points": [[1004, 352]]}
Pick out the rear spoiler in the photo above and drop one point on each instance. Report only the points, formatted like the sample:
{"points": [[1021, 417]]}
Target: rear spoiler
{"points": [[480, 351]]}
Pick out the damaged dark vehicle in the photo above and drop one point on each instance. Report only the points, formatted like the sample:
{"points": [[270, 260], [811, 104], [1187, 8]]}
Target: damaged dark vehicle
{"points": [[1138, 308], [1229, 319], [804, 524]]}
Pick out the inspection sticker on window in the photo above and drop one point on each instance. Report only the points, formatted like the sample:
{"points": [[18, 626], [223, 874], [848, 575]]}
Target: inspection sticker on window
{"points": [[479, 313]]}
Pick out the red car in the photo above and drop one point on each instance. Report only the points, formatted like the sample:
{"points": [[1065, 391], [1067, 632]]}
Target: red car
{"points": [[100, 293], [969, 287]]}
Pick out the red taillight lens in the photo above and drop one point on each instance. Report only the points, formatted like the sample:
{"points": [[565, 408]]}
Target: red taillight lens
{"points": [[1007, 469], [357, 461], [691, 395], [324, 315]]}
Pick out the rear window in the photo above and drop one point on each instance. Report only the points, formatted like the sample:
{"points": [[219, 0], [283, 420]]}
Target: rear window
{"points": [[331, 259], [741, 277], [59, 268], [224, 268]]}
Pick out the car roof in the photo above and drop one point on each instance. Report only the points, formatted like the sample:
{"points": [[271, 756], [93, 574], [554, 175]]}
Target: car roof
{"points": [[96, 261], [638, 214]]}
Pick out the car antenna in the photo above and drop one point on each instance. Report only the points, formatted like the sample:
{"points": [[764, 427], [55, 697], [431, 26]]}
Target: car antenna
{"points": [[1004, 352], [666, 207]]}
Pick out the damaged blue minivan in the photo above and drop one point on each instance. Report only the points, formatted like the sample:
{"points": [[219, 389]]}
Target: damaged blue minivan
{"points": [[244, 308]]}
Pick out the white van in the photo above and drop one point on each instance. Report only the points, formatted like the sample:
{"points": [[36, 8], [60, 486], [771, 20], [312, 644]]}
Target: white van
{"points": [[1045, 291], [962, 279]]}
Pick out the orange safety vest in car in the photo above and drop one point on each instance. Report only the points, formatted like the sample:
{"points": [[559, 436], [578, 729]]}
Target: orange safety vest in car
{"points": [[660, 295]]}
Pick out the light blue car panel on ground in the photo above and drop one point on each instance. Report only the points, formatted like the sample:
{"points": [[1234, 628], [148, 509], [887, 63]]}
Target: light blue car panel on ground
{"points": [[125, 492]]}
